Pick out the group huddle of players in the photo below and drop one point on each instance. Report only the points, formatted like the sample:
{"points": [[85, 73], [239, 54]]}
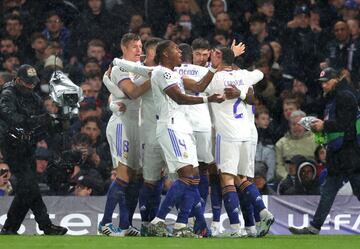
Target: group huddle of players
{"points": [[192, 121]]}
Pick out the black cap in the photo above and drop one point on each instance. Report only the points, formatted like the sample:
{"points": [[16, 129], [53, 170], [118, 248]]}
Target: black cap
{"points": [[28, 74], [328, 74], [42, 154], [301, 10], [297, 160], [86, 181]]}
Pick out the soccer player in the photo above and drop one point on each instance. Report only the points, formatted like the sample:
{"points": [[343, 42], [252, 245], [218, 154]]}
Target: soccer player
{"points": [[123, 137], [153, 162], [174, 134], [173, 110], [201, 52], [233, 145], [200, 121]]}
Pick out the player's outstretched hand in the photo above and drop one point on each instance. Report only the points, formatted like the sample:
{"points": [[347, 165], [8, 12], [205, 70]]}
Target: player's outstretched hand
{"points": [[232, 92], [237, 49], [216, 98]]}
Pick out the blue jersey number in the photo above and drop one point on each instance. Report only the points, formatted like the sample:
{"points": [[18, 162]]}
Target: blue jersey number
{"points": [[235, 106]]}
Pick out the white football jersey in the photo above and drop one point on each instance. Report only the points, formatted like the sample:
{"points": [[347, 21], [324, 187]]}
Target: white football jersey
{"points": [[253, 131], [148, 111], [117, 76], [231, 118], [198, 115], [169, 113]]}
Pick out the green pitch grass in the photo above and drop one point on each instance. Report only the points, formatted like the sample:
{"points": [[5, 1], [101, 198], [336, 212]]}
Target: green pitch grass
{"points": [[101, 242]]}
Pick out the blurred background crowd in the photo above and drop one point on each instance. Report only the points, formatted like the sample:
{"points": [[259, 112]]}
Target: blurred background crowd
{"points": [[290, 41]]}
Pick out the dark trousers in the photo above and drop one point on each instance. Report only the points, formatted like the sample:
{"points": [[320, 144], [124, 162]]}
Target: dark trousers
{"points": [[328, 193], [27, 196]]}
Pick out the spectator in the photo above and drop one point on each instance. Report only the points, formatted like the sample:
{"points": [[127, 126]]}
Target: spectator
{"points": [[182, 31], [267, 8], [224, 22], [90, 162], [42, 158], [5, 184], [289, 105], [350, 10], [101, 157], [301, 179], [14, 29], [8, 46], [299, 35], [53, 48], [261, 181], [5, 77], [265, 150], [50, 105], [56, 31], [301, 91], [354, 28], [87, 185], [320, 159], [88, 89], [221, 38], [341, 53], [95, 23], [287, 185], [100, 93], [213, 8], [296, 141], [136, 21], [265, 88], [38, 45], [91, 65], [87, 109], [145, 32], [96, 48], [259, 35], [308, 182], [11, 63]]}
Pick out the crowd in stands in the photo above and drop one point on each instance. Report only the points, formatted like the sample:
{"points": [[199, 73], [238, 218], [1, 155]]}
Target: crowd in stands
{"points": [[290, 41]]}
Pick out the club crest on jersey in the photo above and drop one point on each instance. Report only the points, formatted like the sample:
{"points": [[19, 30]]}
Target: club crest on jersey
{"points": [[185, 155], [167, 75]]}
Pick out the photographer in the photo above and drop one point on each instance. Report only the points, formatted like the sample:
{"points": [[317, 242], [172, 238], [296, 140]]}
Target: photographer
{"points": [[23, 113]]}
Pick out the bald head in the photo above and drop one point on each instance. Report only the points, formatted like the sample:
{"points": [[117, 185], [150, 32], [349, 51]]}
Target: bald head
{"points": [[341, 31]]}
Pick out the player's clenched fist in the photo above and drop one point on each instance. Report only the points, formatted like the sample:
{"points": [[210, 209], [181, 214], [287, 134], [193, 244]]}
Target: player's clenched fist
{"points": [[217, 98]]}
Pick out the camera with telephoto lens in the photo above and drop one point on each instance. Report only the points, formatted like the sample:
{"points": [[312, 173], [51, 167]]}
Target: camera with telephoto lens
{"points": [[61, 168], [65, 94]]}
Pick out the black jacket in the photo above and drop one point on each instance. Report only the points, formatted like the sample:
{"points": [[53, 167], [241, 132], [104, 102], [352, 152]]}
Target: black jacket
{"points": [[340, 116], [19, 110], [345, 56]]}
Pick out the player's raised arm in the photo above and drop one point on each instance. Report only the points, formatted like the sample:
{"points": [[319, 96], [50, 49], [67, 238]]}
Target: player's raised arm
{"points": [[133, 67]]}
